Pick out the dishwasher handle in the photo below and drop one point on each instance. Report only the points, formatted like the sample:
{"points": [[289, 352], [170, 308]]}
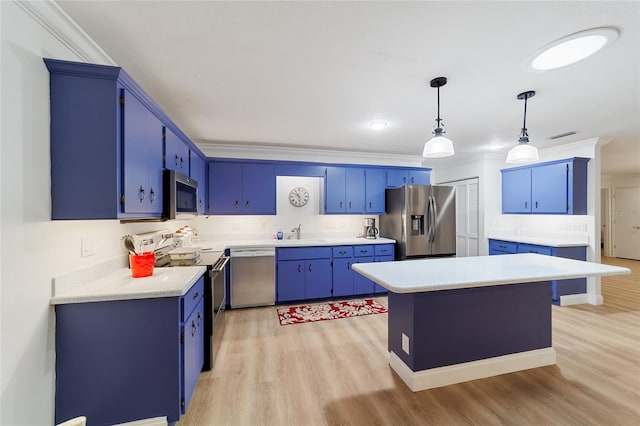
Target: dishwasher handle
{"points": [[262, 252]]}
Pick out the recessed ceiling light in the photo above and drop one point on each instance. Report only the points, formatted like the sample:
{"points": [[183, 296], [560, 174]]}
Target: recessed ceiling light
{"points": [[378, 125], [571, 49]]}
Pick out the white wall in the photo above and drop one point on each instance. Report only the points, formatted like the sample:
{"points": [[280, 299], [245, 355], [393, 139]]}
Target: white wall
{"points": [[312, 222], [33, 248]]}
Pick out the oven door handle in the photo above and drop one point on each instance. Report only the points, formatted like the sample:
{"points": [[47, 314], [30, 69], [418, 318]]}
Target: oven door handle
{"points": [[220, 264]]}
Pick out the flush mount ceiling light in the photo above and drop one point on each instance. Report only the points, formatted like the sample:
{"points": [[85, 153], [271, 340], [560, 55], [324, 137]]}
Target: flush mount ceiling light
{"points": [[571, 49], [523, 152], [378, 125], [438, 146]]}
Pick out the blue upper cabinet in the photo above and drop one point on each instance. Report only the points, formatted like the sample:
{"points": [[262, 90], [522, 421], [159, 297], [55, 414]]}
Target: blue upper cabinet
{"points": [[106, 144], [401, 176], [557, 187], [198, 171], [142, 146], [516, 191], [241, 188], [176, 153], [345, 190], [374, 191]]}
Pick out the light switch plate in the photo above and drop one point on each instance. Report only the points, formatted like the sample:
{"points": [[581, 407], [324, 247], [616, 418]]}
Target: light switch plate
{"points": [[87, 247]]}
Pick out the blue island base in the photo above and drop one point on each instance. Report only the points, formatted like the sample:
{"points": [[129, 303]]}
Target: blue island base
{"points": [[437, 338]]}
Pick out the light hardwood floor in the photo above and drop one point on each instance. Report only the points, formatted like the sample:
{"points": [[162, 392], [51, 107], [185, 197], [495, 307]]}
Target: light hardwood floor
{"points": [[337, 373]]}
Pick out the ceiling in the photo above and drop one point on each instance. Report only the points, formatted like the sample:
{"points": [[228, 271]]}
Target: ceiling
{"points": [[315, 74]]}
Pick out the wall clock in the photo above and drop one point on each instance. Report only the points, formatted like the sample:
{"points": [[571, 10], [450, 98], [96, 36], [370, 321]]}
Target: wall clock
{"points": [[298, 196]]}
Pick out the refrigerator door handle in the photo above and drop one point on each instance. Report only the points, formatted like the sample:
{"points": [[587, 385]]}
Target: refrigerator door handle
{"points": [[434, 215], [431, 218]]}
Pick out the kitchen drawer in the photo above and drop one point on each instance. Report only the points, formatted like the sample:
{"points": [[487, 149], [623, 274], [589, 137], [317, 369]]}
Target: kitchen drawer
{"points": [[363, 251], [383, 250], [342, 251], [191, 299], [532, 248], [299, 253], [503, 246]]}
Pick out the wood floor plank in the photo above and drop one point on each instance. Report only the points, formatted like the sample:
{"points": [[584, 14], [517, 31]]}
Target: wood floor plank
{"points": [[337, 373]]}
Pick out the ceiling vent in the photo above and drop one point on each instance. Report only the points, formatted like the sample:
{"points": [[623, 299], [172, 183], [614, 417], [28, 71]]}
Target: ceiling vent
{"points": [[562, 135]]}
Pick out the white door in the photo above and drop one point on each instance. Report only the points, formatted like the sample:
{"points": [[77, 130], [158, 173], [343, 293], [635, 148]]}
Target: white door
{"points": [[467, 241], [626, 222]]}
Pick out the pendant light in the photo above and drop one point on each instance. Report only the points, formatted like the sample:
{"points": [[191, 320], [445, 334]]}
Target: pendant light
{"points": [[438, 146], [523, 152]]}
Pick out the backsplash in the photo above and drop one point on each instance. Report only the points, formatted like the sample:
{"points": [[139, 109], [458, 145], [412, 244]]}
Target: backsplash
{"points": [[312, 222]]}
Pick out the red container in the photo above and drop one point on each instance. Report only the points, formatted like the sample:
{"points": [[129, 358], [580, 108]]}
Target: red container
{"points": [[142, 264]]}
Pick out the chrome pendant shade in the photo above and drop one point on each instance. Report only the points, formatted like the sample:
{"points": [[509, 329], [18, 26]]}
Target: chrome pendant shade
{"points": [[524, 152], [438, 146]]}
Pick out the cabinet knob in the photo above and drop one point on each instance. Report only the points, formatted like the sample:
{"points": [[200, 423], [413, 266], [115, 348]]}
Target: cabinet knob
{"points": [[152, 196], [299, 268], [235, 205], [246, 205], [309, 267]]}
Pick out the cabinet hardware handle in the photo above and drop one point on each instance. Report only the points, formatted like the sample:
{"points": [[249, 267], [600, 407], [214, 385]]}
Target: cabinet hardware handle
{"points": [[340, 204], [152, 196], [199, 319], [235, 205], [412, 180], [195, 296], [349, 204], [348, 265], [181, 162], [536, 204], [246, 205], [404, 180], [525, 204], [369, 204], [141, 194], [176, 159], [309, 267], [299, 268], [193, 328]]}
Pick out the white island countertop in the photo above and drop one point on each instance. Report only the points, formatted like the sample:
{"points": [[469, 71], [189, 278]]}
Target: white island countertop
{"points": [[119, 285], [434, 274]]}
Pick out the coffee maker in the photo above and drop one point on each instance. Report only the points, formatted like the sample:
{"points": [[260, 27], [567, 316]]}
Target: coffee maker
{"points": [[370, 230]]}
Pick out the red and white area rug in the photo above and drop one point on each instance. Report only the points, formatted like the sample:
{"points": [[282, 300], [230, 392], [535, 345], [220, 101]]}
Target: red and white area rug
{"points": [[328, 311]]}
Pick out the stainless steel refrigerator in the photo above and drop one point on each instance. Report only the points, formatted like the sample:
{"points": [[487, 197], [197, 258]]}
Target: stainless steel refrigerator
{"points": [[422, 220]]}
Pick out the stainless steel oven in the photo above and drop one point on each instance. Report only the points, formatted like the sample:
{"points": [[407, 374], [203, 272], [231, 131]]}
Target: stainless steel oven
{"points": [[214, 304]]}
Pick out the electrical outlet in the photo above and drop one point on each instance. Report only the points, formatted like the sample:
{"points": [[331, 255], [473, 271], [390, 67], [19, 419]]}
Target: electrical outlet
{"points": [[405, 343], [87, 247]]}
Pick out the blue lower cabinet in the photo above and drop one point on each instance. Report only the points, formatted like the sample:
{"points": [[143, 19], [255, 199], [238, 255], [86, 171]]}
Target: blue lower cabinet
{"points": [[318, 279], [291, 280], [126, 360], [362, 284], [342, 277], [558, 287]]}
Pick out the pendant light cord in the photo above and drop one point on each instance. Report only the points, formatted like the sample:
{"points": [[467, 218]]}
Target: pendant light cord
{"points": [[438, 120]]}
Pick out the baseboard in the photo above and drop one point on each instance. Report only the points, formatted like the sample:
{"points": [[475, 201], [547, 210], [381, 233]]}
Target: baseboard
{"points": [[574, 299], [451, 374]]}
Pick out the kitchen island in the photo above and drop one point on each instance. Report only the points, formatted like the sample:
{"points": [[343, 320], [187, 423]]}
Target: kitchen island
{"points": [[457, 319]]}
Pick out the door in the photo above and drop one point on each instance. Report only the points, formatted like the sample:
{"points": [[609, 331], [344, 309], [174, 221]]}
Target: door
{"points": [[374, 190], [342, 277], [443, 210], [225, 188], [335, 190], [467, 222], [354, 190], [259, 189], [318, 278], [626, 222]]}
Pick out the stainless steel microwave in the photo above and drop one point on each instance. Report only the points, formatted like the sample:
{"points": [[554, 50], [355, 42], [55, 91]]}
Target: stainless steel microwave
{"points": [[180, 196]]}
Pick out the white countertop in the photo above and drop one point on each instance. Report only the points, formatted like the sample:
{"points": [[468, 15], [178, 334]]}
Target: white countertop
{"points": [[119, 285], [433, 274], [549, 241], [303, 242]]}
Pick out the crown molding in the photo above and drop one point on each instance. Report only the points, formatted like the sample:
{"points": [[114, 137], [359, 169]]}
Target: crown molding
{"points": [[262, 152], [50, 16]]}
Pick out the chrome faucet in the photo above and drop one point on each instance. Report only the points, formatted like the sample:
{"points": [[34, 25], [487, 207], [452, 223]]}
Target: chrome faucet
{"points": [[297, 231]]}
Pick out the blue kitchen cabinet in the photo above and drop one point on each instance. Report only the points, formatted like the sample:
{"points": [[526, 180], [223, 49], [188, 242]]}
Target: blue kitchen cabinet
{"points": [[241, 188], [125, 360], [142, 146], [342, 273], [383, 253], [556, 187], [362, 254], [558, 287], [344, 190], [106, 144], [516, 191], [176, 153], [198, 171], [398, 177], [374, 191], [303, 273]]}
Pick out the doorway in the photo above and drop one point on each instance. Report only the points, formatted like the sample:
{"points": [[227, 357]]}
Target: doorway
{"points": [[626, 222]]}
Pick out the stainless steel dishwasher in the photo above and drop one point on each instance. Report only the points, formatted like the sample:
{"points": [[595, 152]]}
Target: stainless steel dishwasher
{"points": [[252, 278]]}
